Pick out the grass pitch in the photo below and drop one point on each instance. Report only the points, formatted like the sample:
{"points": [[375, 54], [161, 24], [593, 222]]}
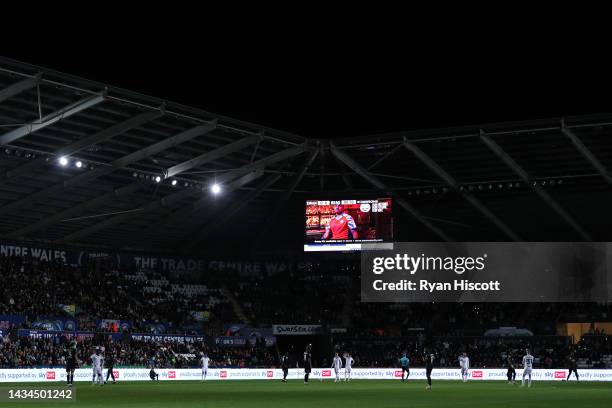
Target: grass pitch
{"points": [[361, 394]]}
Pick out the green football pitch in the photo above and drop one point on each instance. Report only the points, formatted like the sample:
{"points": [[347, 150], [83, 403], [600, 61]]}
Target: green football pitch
{"points": [[360, 394]]}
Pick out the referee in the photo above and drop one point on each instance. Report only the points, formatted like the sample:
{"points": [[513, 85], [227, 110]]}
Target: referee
{"points": [[307, 362]]}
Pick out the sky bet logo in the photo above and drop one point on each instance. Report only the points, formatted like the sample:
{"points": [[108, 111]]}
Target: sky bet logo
{"points": [[171, 374], [223, 374], [116, 374], [560, 374], [412, 264], [269, 373], [477, 374], [50, 375], [326, 373], [398, 373]]}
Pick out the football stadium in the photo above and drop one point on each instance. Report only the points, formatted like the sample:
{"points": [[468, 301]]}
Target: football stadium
{"points": [[155, 254]]}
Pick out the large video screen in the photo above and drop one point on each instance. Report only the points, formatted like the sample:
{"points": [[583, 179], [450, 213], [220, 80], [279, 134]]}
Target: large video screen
{"points": [[344, 225]]}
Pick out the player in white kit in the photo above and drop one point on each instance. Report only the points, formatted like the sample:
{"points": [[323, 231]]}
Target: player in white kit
{"points": [[96, 364], [337, 365], [348, 365], [527, 367], [464, 363], [204, 362]]}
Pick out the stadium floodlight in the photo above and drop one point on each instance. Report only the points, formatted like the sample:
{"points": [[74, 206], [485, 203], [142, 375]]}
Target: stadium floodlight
{"points": [[63, 161], [215, 188], [174, 182], [79, 164], [157, 179]]}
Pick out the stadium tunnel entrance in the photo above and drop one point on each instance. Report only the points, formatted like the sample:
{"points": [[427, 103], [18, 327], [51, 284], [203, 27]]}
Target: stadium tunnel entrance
{"points": [[322, 349]]}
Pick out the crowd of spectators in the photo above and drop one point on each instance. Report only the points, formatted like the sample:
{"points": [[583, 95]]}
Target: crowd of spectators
{"points": [[313, 295], [26, 352], [37, 289], [325, 293], [595, 350], [483, 351]]}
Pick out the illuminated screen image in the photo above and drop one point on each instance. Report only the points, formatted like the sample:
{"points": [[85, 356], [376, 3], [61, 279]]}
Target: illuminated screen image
{"points": [[341, 225]]}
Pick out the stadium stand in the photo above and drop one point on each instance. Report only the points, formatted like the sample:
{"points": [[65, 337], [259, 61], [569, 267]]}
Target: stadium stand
{"points": [[35, 289], [376, 335]]}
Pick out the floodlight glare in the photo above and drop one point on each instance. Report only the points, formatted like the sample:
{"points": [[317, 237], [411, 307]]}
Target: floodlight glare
{"points": [[63, 161], [215, 188]]}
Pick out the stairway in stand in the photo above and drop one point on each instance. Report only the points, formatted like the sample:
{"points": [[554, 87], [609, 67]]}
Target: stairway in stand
{"points": [[236, 305]]}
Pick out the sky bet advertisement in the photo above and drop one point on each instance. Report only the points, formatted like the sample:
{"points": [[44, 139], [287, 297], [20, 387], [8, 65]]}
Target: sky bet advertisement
{"points": [[488, 272]]}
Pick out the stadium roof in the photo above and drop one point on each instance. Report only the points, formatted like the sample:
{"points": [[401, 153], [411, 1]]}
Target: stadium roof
{"points": [[536, 180]]}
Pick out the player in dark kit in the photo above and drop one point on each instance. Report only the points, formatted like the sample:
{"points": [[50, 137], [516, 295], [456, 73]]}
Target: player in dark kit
{"points": [[153, 375], [405, 363], [285, 366], [573, 367], [71, 364], [429, 364], [307, 362], [511, 373], [110, 364]]}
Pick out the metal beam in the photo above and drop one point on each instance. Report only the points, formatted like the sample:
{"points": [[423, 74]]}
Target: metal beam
{"points": [[54, 189], [73, 211], [229, 212], [166, 201], [357, 168], [112, 131], [191, 208], [384, 157], [102, 171], [491, 144], [280, 203], [51, 118], [210, 156], [258, 165], [182, 213], [106, 223], [165, 144], [253, 167], [80, 144], [452, 183], [261, 163], [347, 181], [599, 166], [19, 87]]}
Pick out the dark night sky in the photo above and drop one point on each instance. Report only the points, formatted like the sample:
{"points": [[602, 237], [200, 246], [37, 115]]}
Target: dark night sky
{"points": [[323, 73]]}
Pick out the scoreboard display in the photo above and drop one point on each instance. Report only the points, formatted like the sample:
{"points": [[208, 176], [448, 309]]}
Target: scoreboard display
{"points": [[344, 225]]}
